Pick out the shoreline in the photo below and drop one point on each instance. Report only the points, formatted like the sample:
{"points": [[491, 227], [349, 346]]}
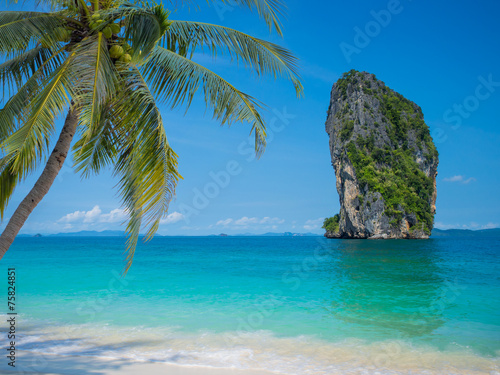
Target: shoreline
{"points": [[56, 364], [36, 363]]}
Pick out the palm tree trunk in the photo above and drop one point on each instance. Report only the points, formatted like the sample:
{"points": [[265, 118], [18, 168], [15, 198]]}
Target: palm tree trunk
{"points": [[43, 184]]}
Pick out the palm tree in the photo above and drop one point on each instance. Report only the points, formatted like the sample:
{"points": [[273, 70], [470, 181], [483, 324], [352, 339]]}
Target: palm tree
{"points": [[107, 63]]}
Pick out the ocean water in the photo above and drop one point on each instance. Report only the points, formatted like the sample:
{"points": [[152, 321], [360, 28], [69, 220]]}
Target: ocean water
{"points": [[294, 305]]}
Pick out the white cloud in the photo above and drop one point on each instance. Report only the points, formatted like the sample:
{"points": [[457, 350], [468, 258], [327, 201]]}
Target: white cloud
{"points": [[453, 179], [246, 222], [314, 224], [83, 216], [118, 215], [491, 225], [95, 215], [115, 216], [470, 179], [272, 220], [459, 178], [443, 226], [224, 222], [174, 217]]}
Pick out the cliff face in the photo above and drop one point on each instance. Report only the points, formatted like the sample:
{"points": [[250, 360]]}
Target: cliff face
{"points": [[384, 159]]}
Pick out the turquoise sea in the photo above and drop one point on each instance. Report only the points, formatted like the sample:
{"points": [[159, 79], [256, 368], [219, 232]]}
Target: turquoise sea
{"points": [[295, 305]]}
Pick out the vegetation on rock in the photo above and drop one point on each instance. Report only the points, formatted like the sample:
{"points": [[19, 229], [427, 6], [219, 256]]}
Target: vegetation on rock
{"points": [[396, 176], [331, 224]]}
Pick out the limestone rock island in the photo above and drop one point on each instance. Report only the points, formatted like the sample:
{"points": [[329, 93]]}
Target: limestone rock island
{"points": [[384, 159]]}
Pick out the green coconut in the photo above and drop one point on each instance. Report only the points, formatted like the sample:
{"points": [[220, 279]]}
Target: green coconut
{"points": [[62, 34], [115, 28], [126, 58], [116, 52], [94, 25], [107, 32]]}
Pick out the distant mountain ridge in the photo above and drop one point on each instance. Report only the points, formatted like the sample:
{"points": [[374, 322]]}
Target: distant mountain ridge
{"points": [[465, 233], [274, 234], [118, 233], [91, 233], [435, 234]]}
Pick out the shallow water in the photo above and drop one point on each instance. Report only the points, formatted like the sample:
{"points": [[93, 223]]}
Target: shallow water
{"points": [[298, 305]]}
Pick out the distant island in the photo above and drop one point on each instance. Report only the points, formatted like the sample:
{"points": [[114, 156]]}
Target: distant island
{"points": [[118, 233], [494, 232], [384, 159]]}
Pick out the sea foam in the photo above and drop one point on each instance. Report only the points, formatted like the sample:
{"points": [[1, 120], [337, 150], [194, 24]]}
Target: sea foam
{"points": [[256, 350]]}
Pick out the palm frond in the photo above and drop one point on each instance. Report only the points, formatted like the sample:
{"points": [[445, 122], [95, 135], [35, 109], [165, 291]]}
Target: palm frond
{"points": [[176, 79], [56, 4], [94, 152], [53, 4], [27, 145], [270, 10], [8, 182], [146, 163], [24, 147], [19, 29], [97, 80], [15, 72], [13, 113], [185, 37]]}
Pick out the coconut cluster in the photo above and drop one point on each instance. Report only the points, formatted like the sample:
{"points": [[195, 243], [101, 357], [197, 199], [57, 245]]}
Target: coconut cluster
{"points": [[120, 53], [117, 52]]}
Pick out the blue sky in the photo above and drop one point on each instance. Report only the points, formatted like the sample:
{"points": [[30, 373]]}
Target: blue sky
{"points": [[443, 57]]}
